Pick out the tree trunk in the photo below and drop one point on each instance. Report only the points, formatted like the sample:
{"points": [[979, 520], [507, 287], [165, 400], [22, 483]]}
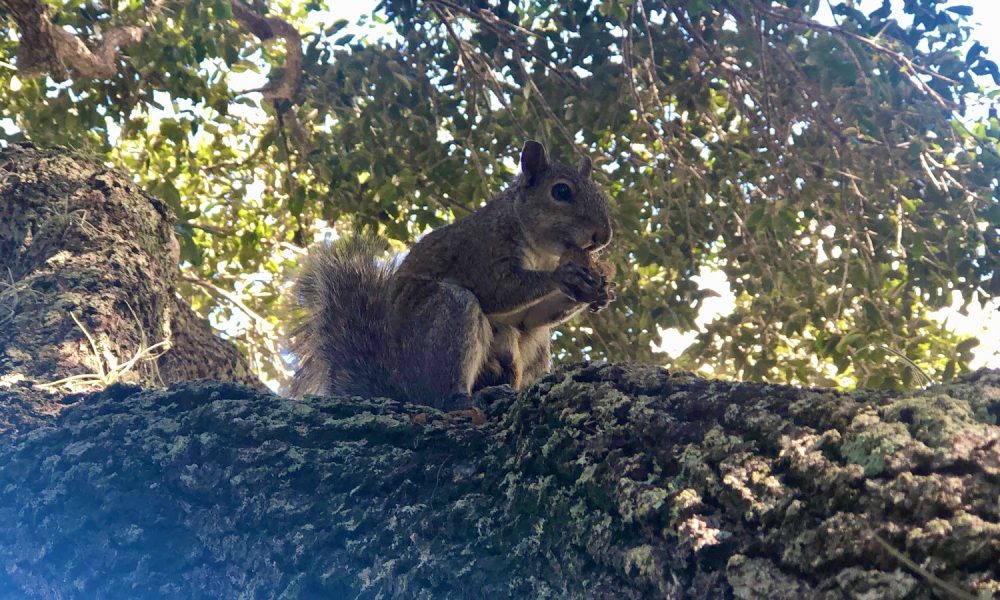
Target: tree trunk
{"points": [[611, 481], [88, 264]]}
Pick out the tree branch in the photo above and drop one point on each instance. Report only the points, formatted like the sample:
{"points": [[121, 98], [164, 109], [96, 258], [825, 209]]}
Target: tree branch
{"points": [[48, 49], [285, 83]]}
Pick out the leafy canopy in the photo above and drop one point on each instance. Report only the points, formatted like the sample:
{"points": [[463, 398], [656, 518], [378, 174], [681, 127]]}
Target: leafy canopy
{"points": [[824, 169]]}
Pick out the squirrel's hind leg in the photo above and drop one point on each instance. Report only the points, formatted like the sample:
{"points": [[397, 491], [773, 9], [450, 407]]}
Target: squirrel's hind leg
{"points": [[535, 353], [503, 362], [444, 342], [517, 357]]}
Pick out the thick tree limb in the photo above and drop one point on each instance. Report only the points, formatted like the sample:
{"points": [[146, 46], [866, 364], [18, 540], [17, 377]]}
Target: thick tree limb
{"points": [[612, 481], [48, 49]]}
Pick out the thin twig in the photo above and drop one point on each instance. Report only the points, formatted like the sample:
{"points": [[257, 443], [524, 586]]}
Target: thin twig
{"points": [[931, 578], [232, 299], [901, 59]]}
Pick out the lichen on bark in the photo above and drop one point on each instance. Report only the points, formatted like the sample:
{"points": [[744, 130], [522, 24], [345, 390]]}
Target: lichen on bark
{"points": [[608, 481]]}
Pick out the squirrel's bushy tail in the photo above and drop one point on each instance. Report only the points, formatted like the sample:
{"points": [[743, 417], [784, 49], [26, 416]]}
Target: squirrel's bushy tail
{"points": [[339, 333]]}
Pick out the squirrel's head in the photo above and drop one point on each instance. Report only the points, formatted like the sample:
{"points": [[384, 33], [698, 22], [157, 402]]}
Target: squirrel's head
{"points": [[560, 206]]}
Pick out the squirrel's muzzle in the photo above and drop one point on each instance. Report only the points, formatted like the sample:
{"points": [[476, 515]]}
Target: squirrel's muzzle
{"points": [[600, 238]]}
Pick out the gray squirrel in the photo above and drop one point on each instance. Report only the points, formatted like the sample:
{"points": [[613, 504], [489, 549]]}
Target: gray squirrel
{"points": [[472, 303]]}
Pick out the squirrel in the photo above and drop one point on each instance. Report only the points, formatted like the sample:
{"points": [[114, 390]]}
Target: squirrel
{"points": [[470, 306]]}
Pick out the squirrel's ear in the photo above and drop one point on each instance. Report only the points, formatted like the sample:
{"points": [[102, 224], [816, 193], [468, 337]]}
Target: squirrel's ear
{"points": [[585, 167], [533, 160]]}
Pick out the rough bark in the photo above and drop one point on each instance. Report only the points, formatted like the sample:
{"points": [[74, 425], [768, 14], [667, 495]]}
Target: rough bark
{"points": [[46, 48], [283, 85], [84, 252], [609, 481]]}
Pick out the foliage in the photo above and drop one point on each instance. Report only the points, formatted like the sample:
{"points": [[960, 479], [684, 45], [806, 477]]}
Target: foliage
{"points": [[825, 169]]}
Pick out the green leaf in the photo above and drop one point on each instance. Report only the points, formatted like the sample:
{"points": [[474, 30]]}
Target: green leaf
{"points": [[223, 10], [851, 340], [173, 131], [966, 346]]}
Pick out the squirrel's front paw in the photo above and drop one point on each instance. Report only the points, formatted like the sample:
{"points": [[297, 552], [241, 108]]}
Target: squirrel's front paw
{"points": [[608, 296], [577, 282]]}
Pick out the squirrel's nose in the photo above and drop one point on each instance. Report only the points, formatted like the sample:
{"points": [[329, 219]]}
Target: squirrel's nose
{"points": [[601, 238]]}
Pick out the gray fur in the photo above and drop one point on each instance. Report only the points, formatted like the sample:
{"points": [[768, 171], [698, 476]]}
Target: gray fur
{"points": [[471, 305], [340, 337]]}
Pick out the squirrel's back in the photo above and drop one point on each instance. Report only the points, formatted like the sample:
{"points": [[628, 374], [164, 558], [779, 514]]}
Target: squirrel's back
{"points": [[339, 332]]}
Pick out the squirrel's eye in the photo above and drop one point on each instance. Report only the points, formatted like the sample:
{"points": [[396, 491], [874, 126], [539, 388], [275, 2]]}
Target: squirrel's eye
{"points": [[562, 192]]}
